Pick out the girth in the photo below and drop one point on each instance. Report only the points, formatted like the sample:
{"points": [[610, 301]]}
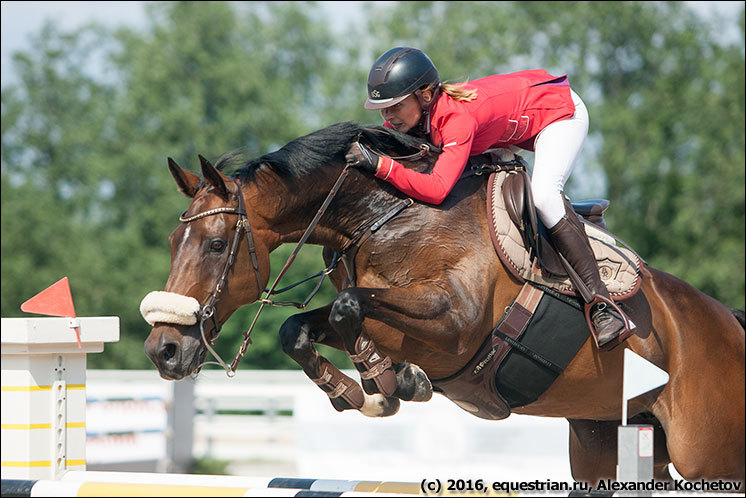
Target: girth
{"points": [[473, 387]]}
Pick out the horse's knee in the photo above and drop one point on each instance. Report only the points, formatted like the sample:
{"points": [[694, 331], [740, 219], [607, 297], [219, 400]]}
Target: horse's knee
{"points": [[691, 467], [347, 308], [723, 459], [294, 335]]}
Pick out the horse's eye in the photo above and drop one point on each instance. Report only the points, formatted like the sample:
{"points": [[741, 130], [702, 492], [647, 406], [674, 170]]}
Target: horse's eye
{"points": [[217, 245]]}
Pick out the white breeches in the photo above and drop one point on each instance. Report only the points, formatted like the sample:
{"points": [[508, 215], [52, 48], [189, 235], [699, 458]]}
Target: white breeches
{"points": [[555, 150]]}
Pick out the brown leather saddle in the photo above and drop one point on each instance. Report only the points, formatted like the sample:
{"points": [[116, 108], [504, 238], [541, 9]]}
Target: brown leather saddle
{"points": [[474, 387], [519, 204]]}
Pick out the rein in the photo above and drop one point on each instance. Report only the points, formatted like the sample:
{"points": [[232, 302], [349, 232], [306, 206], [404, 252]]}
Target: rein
{"points": [[291, 258], [424, 149]]}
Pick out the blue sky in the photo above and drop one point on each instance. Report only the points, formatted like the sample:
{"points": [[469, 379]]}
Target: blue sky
{"points": [[21, 18]]}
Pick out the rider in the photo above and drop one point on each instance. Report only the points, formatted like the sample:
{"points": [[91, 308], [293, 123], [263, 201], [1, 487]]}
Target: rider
{"points": [[532, 110]]}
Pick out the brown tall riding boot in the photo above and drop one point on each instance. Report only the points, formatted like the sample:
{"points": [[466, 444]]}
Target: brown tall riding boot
{"points": [[570, 239]]}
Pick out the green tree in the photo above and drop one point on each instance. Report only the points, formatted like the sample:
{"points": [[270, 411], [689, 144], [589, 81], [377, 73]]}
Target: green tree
{"points": [[669, 111]]}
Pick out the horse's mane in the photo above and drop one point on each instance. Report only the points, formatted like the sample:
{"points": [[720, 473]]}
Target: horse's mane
{"points": [[325, 146]]}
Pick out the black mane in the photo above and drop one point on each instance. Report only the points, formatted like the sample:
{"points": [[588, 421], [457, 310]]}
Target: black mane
{"points": [[325, 146]]}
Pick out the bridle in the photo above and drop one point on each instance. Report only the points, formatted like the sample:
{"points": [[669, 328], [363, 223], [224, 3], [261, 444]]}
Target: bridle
{"points": [[207, 311]]}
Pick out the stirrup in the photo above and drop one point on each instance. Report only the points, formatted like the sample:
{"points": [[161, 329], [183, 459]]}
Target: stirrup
{"points": [[629, 326]]}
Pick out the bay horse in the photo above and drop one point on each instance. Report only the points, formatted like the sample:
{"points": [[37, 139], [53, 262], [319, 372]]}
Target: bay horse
{"points": [[428, 290]]}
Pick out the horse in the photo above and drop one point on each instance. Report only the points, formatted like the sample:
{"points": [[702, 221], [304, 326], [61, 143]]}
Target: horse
{"points": [[427, 290]]}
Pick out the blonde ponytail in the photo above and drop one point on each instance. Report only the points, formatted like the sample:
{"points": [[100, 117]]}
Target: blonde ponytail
{"points": [[459, 92]]}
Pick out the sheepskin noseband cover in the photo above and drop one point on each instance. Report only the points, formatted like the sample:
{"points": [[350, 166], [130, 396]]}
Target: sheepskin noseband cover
{"points": [[161, 306]]}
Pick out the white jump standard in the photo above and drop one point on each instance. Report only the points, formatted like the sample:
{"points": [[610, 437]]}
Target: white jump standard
{"points": [[43, 392]]}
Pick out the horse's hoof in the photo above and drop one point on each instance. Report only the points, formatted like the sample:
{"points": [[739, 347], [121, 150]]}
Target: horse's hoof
{"points": [[378, 405], [412, 383]]}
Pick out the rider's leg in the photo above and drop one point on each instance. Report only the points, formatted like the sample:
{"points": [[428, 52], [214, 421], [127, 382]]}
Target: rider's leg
{"points": [[569, 237], [557, 147]]}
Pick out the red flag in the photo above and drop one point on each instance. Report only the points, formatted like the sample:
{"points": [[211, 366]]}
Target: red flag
{"points": [[55, 300]]}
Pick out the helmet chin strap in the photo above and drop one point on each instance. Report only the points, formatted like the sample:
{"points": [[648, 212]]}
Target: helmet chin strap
{"points": [[421, 126]]}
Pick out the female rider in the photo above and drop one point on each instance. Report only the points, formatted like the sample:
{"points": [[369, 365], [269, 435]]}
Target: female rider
{"points": [[532, 110]]}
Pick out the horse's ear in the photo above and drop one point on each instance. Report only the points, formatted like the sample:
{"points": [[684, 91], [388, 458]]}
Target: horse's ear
{"points": [[186, 181], [214, 177]]}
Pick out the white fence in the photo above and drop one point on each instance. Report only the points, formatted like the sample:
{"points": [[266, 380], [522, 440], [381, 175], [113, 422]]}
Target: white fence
{"points": [[137, 419], [279, 422]]}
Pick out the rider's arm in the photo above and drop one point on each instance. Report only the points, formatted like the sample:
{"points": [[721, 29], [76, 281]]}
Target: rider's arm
{"points": [[457, 132]]}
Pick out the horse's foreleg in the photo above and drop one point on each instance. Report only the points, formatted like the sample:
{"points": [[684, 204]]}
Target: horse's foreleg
{"points": [[593, 450], [298, 334], [376, 370], [425, 313]]}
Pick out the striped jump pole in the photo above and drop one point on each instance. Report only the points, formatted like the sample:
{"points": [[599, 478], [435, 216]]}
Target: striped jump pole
{"points": [[237, 486], [54, 488], [325, 485]]}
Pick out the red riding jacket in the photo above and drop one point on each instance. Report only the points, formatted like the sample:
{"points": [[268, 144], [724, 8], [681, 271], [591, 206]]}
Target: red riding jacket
{"points": [[510, 109]]}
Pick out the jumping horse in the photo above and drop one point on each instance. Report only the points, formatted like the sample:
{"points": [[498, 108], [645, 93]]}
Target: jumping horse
{"points": [[421, 293]]}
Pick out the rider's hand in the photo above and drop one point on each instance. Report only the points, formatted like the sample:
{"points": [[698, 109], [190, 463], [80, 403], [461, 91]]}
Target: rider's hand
{"points": [[361, 157]]}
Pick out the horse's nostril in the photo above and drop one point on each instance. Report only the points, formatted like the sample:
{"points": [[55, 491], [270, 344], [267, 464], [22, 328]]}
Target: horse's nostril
{"points": [[168, 351]]}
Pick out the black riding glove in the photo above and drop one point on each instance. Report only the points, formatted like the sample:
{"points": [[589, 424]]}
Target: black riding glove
{"points": [[361, 157]]}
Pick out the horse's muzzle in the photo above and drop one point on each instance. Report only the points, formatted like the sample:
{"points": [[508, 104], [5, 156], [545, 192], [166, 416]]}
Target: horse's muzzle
{"points": [[175, 350]]}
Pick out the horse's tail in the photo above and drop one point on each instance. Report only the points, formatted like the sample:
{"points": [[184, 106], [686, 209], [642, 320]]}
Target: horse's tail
{"points": [[740, 315]]}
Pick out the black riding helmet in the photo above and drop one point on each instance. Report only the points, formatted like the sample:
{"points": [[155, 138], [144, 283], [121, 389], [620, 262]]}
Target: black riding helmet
{"points": [[398, 73]]}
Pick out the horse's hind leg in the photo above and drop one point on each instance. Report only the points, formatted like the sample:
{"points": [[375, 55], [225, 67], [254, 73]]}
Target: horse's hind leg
{"points": [[593, 449], [298, 334]]}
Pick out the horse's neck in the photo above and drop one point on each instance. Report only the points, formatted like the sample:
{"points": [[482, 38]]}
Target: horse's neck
{"points": [[289, 208]]}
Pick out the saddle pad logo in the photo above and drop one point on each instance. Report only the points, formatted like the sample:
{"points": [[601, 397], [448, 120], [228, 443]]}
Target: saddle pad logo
{"points": [[607, 269]]}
